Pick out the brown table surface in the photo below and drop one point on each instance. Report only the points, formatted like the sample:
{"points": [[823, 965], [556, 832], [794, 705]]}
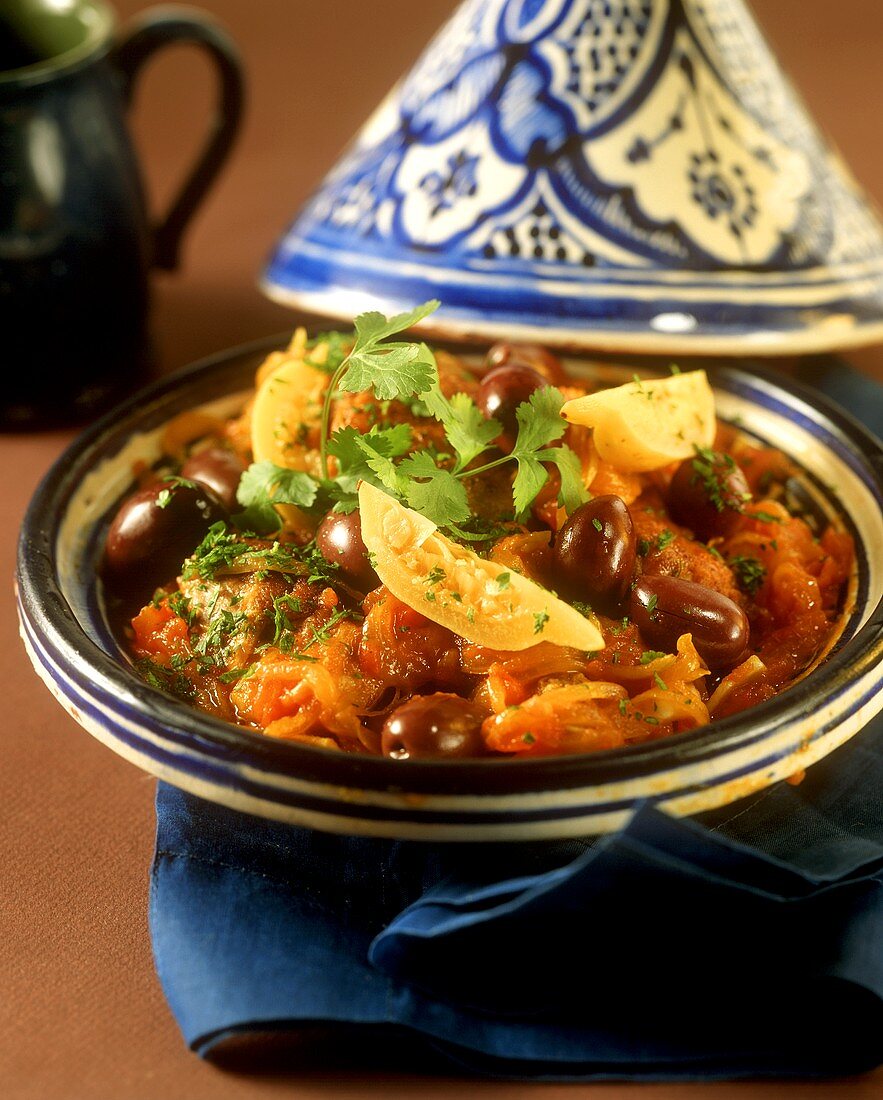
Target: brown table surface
{"points": [[81, 1012]]}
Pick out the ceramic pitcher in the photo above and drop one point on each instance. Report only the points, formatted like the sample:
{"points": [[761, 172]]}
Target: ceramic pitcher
{"points": [[76, 241]]}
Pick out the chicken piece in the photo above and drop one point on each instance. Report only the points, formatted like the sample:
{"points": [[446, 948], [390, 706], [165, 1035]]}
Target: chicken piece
{"points": [[236, 614]]}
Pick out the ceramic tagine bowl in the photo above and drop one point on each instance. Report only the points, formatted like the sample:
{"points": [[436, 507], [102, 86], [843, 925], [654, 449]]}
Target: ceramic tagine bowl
{"points": [[74, 642], [629, 175]]}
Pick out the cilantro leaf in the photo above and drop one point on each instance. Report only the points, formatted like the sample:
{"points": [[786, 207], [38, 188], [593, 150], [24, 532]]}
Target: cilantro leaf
{"points": [[573, 491], [344, 445], [539, 423], [382, 465], [264, 485], [406, 371], [435, 493], [468, 432], [348, 445], [531, 477], [392, 370], [539, 420], [373, 326]]}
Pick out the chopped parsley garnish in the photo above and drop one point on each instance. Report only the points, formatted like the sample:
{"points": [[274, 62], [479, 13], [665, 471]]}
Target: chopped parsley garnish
{"points": [[178, 603], [540, 619], [651, 655], [528, 738], [223, 549], [235, 674], [749, 573], [713, 469], [503, 581], [651, 604], [322, 635], [597, 524], [284, 625], [212, 646], [436, 575], [218, 550], [664, 539], [336, 346], [172, 482], [165, 679], [660, 683], [765, 517]]}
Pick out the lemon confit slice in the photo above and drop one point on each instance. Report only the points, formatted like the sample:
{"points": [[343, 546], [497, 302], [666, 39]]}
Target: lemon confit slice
{"points": [[648, 423], [289, 397], [483, 602]]}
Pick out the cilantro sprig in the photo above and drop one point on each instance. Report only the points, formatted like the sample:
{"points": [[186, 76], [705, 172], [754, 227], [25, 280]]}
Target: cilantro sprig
{"points": [[391, 368], [430, 482]]}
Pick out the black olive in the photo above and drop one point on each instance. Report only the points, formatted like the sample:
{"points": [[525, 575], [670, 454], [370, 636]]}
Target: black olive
{"points": [[595, 552], [155, 529], [339, 539], [434, 726], [219, 470], [707, 494], [664, 608], [503, 390], [527, 355]]}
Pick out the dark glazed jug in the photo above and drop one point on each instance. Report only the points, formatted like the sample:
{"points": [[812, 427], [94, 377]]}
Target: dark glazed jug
{"points": [[75, 240]]}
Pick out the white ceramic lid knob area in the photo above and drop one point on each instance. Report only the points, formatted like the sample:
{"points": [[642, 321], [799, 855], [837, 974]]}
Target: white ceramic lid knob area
{"points": [[631, 175]]}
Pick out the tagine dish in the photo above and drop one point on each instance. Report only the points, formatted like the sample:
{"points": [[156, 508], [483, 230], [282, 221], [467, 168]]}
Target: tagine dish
{"points": [[393, 551]]}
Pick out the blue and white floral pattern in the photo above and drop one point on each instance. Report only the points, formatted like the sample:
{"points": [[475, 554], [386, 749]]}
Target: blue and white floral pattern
{"points": [[543, 149]]}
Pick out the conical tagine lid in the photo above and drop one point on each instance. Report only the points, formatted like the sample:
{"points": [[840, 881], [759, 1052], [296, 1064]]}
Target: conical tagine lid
{"points": [[620, 175]]}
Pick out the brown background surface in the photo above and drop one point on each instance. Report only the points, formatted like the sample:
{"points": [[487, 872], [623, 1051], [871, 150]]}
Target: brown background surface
{"points": [[81, 1013]]}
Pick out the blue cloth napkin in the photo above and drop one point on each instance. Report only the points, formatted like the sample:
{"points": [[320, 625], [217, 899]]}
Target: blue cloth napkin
{"points": [[746, 942]]}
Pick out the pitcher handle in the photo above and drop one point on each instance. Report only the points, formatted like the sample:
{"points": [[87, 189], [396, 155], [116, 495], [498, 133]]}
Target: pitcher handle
{"points": [[164, 27]]}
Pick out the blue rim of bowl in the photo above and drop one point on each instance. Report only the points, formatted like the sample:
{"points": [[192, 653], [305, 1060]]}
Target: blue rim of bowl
{"points": [[51, 620]]}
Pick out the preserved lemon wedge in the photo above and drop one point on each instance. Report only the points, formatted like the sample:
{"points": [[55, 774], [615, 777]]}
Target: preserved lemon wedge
{"points": [[480, 600], [289, 397], [648, 423]]}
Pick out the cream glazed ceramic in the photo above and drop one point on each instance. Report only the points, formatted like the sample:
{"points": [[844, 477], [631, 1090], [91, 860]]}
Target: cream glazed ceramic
{"points": [[630, 175], [65, 629]]}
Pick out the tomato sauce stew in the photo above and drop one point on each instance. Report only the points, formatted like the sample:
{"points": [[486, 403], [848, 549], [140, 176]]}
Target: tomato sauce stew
{"points": [[389, 551]]}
